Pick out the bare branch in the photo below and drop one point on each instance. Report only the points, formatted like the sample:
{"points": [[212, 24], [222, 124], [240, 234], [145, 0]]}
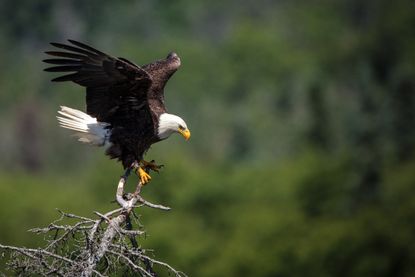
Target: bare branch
{"points": [[151, 205], [76, 249], [131, 263], [34, 253]]}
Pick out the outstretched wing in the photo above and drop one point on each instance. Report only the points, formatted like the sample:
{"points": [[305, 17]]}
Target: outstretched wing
{"points": [[115, 86]]}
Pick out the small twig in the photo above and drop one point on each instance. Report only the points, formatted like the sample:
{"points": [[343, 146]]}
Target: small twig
{"points": [[140, 254], [93, 230], [102, 216], [108, 214], [151, 205], [62, 237], [131, 263], [178, 273], [53, 227], [131, 232], [68, 215]]}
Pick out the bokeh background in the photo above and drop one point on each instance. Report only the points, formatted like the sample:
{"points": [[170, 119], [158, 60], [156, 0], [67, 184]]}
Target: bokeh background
{"points": [[301, 161]]}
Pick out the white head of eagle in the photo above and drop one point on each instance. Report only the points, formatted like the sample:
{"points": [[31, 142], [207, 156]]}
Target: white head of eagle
{"points": [[124, 102], [169, 124]]}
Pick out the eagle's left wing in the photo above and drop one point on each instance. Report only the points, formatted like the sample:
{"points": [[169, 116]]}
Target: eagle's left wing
{"points": [[115, 86]]}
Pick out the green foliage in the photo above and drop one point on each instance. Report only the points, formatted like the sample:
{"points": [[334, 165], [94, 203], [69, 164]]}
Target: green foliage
{"points": [[301, 161]]}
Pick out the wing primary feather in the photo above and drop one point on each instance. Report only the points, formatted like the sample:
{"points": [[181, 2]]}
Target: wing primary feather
{"points": [[66, 55], [73, 49], [64, 68], [62, 61], [127, 61], [87, 47], [68, 77]]}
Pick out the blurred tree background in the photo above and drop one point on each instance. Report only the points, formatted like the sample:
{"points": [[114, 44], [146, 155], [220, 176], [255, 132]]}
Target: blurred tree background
{"points": [[301, 161]]}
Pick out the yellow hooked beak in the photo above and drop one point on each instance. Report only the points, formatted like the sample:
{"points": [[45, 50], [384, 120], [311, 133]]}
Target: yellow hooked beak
{"points": [[185, 133]]}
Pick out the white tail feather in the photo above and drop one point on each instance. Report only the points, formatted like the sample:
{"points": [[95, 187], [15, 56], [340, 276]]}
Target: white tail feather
{"points": [[88, 129]]}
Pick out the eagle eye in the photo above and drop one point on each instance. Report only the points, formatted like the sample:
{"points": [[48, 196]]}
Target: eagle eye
{"points": [[181, 127]]}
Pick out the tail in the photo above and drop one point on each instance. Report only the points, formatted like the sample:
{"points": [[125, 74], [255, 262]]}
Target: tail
{"points": [[88, 129]]}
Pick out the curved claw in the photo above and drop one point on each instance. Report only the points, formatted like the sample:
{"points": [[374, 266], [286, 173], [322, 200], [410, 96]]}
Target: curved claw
{"points": [[152, 166], [144, 176], [156, 168]]}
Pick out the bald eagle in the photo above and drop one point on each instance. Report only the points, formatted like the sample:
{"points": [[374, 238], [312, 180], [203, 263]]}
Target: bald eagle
{"points": [[125, 109]]}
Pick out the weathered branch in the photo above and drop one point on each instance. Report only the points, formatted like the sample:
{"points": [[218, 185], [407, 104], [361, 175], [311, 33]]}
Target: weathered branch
{"points": [[36, 254], [77, 249], [115, 223]]}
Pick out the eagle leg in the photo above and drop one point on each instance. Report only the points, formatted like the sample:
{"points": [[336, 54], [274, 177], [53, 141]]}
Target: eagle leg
{"points": [[151, 166], [143, 175]]}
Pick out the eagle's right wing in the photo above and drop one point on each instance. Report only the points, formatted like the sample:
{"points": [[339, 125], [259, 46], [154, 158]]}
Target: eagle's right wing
{"points": [[115, 86]]}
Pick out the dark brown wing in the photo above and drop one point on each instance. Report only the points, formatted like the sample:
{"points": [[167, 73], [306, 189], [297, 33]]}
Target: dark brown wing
{"points": [[115, 86], [160, 71]]}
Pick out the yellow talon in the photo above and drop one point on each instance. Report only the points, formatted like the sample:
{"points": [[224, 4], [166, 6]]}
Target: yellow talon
{"points": [[144, 176]]}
